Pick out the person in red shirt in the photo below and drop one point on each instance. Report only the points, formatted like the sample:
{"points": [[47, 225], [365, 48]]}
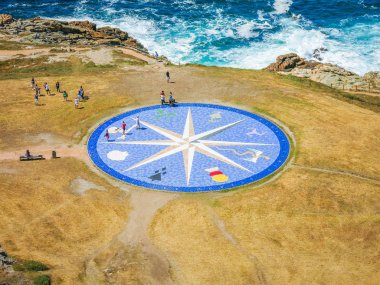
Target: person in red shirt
{"points": [[123, 126]]}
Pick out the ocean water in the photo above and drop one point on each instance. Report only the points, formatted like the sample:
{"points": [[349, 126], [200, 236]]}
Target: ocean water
{"points": [[235, 33]]}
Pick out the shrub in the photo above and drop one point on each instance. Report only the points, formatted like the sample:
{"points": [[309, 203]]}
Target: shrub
{"points": [[42, 280], [31, 265]]}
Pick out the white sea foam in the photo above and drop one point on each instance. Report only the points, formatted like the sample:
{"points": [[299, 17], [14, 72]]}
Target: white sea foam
{"points": [[260, 15], [245, 30], [186, 41], [282, 6]]}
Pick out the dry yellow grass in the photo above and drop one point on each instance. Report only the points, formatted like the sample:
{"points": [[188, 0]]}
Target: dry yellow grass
{"points": [[43, 219], [198, 252], [307, 227], [20, 119]]}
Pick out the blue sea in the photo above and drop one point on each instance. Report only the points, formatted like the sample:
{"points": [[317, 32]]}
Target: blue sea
{"points": [[235, 33]]}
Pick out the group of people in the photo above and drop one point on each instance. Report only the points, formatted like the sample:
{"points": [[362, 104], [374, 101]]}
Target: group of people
{"points": [[37, 89], [171, 98]]}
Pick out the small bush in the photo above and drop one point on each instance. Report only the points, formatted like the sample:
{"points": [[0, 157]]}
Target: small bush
{"points": [[42, 280], [31, 265]]}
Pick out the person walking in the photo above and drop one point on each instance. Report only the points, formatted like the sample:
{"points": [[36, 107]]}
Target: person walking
{"points": [[76, 103], [33, 82], [167, 77], [107, 135], [37, 89], [65, 95], [57, 86], [162, 97], [123, 126], [47, 89], [138, 123], [81, 92], [36, 99], [171, 99]]}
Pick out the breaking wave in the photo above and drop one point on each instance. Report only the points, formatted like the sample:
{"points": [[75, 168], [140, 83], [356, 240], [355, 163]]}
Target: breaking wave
{"points": [[236, 33]]}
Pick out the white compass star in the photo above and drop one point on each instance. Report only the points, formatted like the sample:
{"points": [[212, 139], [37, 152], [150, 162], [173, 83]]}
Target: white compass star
{"points": [[188, 143]]}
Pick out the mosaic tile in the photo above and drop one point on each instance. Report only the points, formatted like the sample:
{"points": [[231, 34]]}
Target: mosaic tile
{"points": [[188, 148]]}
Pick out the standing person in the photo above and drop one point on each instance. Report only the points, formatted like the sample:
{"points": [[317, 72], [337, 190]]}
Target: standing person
{"points": [[76, 103], [33, 83], [162, 97], [138, 123], [65, 95], [57, 86], [123, 126], [107, 135], [79, 96], [171, 99], [167, 76], [47, 89], [36, 99], [38, 90], [81, 92]]}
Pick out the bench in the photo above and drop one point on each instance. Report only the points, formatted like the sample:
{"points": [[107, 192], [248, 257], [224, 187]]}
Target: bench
{"points": [[31, 157]]}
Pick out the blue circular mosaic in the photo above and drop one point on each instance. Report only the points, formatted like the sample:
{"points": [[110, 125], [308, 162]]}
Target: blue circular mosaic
{"points": [[189, 147]]}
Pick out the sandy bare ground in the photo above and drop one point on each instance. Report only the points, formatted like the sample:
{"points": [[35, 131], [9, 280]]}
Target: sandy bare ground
{"points": [[26, 52], [133, 53]]}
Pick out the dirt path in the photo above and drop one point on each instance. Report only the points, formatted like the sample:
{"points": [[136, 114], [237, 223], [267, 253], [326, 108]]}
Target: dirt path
{"points": [[144, 203], [144, 206], [259, 274], [340, 172], [26, 52], [138, 55]]}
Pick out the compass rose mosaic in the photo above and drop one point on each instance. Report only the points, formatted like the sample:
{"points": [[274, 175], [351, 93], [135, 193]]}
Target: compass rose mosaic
{"points": [[188, 148]]}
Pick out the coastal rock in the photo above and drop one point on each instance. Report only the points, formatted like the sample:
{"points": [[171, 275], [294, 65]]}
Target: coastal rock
{"points": [[289, 61], [84, 24], [81, 33], [317, 53], [114, 33], [338, 77], [328, 74], [373, 78], [6, 19]]}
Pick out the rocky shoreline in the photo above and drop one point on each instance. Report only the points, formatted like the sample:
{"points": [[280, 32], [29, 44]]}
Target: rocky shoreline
{"points": [[41, 31], [76, 33], [325, 73]]}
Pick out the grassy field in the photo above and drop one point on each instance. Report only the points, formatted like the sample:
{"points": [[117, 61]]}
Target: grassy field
{"points": [[43, 218], [318, 223]]}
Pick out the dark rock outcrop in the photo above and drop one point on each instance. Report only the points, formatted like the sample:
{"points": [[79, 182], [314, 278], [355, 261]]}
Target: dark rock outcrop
{"points": [[81, 33], [289, 61]]}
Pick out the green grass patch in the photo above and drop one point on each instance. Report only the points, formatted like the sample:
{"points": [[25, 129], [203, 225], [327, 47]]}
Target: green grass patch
{"points": [[21, 67], [7, 45], [30, 265], [362, 100], [42, 280], [353, 97]]}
